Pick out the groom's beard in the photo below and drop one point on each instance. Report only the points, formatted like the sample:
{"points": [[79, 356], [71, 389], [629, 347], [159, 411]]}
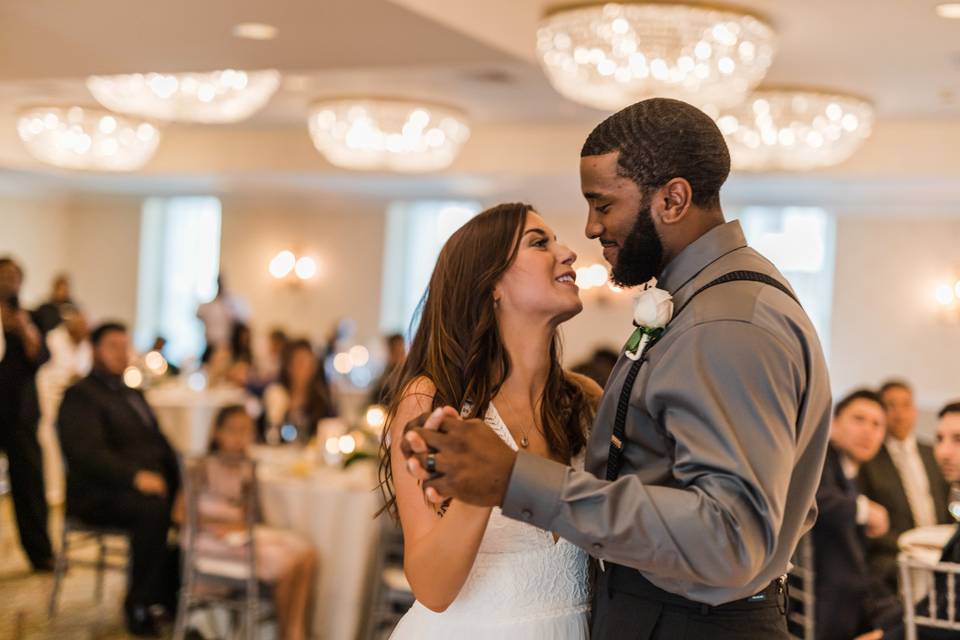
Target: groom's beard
{"points": [[641, 255]]}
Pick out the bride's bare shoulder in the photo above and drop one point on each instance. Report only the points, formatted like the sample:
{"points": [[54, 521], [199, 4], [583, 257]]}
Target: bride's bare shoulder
{"points": [[416, 397]]}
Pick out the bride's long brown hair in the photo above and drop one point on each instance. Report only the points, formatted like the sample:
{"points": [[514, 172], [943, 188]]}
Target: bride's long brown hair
{"points": [[458, 346]]}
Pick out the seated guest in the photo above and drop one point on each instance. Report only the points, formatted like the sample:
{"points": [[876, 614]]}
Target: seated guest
{"points": [[282, 558], [300, 399], [904, 478], [947, 451], [122, 472], [850, 600]]}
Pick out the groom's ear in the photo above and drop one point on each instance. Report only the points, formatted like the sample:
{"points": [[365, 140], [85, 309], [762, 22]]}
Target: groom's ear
{"points": [[675, 199]]}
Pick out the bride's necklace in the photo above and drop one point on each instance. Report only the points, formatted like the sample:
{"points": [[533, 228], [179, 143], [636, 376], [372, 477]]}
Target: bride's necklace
{"points": [[524, 441]]}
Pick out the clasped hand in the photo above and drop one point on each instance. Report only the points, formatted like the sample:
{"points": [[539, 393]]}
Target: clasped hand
{"points": [[455, 458]]}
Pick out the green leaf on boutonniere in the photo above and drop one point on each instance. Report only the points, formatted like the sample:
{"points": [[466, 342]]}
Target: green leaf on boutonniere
{"points": [[634, 341]]}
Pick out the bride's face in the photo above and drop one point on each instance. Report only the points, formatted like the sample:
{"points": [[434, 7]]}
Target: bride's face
{"points": [[541, 281]]}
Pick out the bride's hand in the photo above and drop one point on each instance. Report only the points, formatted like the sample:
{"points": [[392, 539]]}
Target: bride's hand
{"points": [[469, 460], [414, 444]]}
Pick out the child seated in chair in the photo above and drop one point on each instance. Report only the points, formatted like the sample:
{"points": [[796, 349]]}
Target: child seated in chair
{"points": [[283, 558]]}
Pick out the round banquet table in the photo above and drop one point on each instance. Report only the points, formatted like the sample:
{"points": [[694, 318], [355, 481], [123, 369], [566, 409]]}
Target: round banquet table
{"points": [[186, 416], [334, 509]]}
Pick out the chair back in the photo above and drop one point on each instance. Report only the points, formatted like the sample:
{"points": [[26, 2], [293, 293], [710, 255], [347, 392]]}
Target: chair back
{"points": [[800, 580], [939, 608]]}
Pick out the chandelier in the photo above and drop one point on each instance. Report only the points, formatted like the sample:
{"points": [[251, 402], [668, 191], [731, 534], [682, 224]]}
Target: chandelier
{"points": [[214, 97], [609, 56], [795, 129], [396, 135], [85, 138]]}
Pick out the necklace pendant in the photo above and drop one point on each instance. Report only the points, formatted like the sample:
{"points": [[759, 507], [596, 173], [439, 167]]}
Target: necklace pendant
{"points": [[524, 442]]}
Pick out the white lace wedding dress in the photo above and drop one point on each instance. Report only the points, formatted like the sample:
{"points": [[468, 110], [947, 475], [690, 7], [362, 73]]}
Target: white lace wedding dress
{"points": [[522, 585]]}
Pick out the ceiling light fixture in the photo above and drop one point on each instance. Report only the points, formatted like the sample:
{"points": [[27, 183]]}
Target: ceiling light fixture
{"points": [[395, 135], [790, 129], [612, 55], [255, 31], [227, 95], [87, 138], [949, 10]]}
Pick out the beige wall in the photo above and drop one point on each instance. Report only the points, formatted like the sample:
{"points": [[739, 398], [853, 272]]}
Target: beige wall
{"points": [[34, 232], [346, 239], [886, 322]]}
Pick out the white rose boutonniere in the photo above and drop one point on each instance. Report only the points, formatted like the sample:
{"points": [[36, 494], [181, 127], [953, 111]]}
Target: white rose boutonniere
{"points": [[652, 310]]}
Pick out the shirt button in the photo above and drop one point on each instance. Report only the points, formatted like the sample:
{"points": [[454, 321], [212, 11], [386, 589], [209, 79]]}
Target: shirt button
{"points": [[526, 514]]}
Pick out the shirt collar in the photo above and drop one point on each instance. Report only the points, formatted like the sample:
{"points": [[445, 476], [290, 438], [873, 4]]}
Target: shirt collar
{"points": [[906, 446], [706, 249], [849, 465]]}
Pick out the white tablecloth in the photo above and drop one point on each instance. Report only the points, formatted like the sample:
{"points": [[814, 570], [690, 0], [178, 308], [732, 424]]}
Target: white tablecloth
{"points": [[186, 416], [334, 509]]}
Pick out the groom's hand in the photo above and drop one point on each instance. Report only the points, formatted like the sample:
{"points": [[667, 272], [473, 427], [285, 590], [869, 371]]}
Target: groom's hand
{"points": [[472, 463]]}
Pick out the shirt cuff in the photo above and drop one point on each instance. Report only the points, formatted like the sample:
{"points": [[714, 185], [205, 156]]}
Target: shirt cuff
{"points": [[534, 489], [863, 509]]}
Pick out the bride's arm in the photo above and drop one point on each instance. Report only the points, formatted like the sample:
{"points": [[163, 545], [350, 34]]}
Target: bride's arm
{"points": [[438, 551]]}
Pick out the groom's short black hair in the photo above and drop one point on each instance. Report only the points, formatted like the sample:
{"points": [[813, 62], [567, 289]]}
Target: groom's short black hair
{"points": [[660, 139]]}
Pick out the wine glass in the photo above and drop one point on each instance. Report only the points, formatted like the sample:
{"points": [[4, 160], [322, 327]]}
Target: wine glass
{"points": [[953, 506]]}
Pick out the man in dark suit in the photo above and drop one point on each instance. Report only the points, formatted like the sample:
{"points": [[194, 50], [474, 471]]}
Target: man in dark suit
{"points": [[122, 472], [850, 600], [20, 416], [947, 452], [904, 478]]}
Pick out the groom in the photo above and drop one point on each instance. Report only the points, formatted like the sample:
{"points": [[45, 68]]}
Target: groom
{"points": [[696, 500]]}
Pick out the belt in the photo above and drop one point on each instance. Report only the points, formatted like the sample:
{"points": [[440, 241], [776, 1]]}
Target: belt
{"points": [[627, 580]]}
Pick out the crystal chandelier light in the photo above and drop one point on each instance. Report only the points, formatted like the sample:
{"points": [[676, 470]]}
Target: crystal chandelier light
{"points": [[795, 129], [214, 97], [612, 55], [395, 135], [85, 138]]}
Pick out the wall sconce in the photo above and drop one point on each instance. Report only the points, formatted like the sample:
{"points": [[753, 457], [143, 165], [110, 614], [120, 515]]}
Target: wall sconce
{"points": [[287, 266], [948, 298]]}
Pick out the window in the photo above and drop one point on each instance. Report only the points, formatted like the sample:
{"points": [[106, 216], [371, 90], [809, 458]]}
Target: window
{"points": [[416, 231], [800, 242], [179, 264]]}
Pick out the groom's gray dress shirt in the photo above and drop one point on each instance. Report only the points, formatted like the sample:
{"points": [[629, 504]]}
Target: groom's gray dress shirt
{"points": [[726, 431]]}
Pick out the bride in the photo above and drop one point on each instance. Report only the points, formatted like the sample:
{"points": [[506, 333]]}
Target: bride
{"points": [[488, 342]]}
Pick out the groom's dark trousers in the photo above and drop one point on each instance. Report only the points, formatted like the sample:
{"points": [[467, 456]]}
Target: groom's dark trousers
{"points": [[627, 606]]}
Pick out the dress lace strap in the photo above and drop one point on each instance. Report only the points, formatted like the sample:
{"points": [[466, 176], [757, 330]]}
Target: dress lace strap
{"points": [[499, 427]]}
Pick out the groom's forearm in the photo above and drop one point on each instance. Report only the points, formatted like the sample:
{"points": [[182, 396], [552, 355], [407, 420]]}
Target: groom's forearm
{"points": [[682, 533]]}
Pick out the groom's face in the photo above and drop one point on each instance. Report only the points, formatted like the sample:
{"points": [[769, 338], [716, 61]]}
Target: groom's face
{"points": [[620, 217]]}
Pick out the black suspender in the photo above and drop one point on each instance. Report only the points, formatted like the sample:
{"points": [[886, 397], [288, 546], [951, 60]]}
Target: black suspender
{"points": [[618, 438]]}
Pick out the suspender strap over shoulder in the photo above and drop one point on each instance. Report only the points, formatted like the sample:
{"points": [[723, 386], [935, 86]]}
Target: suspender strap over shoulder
{"points": [[618, 439]]}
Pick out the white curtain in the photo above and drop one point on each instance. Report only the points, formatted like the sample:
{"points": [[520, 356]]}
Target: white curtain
{"points": [[800, 242], [179, 265]]}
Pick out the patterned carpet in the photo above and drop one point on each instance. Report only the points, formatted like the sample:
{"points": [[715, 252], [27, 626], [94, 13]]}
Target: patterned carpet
{"points": [[24, 596]]}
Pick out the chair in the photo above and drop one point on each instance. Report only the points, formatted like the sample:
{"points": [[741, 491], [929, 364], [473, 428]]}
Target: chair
{"points": [[800, 580], [78, 534], [391, 595], [937, 577], [211, 581]]}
